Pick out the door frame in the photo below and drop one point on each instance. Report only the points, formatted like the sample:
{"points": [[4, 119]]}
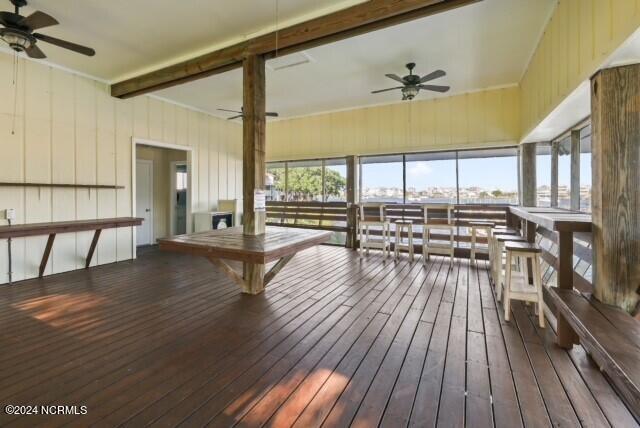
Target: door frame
{"points": [[135, 141], [172, 195], [151, 216]]}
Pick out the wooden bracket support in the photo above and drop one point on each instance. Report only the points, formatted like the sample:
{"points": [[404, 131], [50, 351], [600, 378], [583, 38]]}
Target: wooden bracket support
{"points": [[45, 256], [257, 283], [92, 248]]}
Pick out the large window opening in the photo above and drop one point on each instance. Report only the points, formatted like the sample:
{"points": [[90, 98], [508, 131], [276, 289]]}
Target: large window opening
{"points": [[564, 173], [585, 169], [381, 179], [488, 176], [431, 177], [543, 174]]}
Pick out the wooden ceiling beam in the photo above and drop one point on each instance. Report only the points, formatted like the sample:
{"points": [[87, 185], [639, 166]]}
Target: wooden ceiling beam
{"points": [[356, 20]]}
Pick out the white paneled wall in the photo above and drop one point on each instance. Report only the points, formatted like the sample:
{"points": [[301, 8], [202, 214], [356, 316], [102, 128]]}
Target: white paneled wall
{"points": [[68, 129]]}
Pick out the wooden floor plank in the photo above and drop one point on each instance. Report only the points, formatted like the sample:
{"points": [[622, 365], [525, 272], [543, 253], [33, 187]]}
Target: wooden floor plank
{"points": [[335, 339]]}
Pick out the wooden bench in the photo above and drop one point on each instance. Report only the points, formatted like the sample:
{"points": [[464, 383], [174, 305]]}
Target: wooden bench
{"points": [[610, 336]]}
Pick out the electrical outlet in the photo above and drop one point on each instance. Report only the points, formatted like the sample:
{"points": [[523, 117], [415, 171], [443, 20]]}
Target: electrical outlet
{"points": [[10, 214]]}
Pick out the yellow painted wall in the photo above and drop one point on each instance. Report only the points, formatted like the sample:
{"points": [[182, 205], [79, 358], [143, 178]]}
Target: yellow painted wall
{"points": [[70, 130], [161, 159], [579, 37], [484, 118]]}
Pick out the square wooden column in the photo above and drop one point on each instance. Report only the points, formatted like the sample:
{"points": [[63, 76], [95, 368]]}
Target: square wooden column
{"points": [[615, 143], [575, 170], [352, 211], [253, 161], [528, 174]]}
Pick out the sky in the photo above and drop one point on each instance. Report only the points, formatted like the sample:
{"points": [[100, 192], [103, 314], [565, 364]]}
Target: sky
{"points": [[488, 173]]}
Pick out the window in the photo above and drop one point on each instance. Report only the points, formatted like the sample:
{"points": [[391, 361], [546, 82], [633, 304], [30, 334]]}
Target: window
{"points": [[335, 180], [564, 173], [381, 179], [488, 176], [431, 177], [543, 174], [585, 169], [275, 183], [304, 181]]}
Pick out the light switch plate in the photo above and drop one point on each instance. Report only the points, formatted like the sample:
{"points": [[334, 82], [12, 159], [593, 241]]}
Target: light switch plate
{"points": [[10, 214]]}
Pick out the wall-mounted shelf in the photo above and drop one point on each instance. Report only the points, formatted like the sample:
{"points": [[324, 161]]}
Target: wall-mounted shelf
{"points": [[75, 186]]}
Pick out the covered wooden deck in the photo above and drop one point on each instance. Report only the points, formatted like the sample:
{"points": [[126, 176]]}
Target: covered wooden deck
{"points": [[335, 340]]}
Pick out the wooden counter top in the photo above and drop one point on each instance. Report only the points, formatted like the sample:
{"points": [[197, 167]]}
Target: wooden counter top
{"points": [[555, 219]]}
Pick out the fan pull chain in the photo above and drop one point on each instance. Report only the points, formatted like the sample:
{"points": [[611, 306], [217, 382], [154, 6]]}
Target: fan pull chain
{"points": [[15, 93], [277, 26]]}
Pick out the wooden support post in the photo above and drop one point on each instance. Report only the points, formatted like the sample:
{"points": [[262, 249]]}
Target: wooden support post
{"points": [[352, 209], [615, 143], [254, 168], [566, 336], [277, 268], [92, 248], [45, 255], [555, 153], [528, 172], [575, 170]]}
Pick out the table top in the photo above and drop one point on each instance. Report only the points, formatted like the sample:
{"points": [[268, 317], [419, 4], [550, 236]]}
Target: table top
{"points": [[555, 219], [232, 244], [34, 229]]}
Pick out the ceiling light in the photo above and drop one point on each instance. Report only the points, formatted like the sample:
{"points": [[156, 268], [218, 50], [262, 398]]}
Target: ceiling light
{"points": [[409, 92], [17, 40]]}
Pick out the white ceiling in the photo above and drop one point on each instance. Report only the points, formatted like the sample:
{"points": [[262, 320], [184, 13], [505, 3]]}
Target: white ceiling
{"points": [[483, 45], [132, 36]]}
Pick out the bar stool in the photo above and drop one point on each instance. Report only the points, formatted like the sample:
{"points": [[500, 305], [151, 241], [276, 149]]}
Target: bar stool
{"points": [[402, 226], [378, 221], [437, 246], [475, 226], [498, 265], [517, 287], [498, 230]]}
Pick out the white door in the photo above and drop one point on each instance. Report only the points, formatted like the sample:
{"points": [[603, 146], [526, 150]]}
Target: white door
{"points": [[144, 201]]}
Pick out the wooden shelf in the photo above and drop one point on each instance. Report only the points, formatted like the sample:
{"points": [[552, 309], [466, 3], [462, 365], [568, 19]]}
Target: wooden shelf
{"points": [[75, 186]]}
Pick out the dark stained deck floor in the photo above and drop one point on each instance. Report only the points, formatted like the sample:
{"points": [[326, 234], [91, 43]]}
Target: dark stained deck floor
{"points": [[166, 340]]}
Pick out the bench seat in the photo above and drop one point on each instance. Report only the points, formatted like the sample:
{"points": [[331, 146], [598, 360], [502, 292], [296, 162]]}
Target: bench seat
{"points": [[610, 336]]}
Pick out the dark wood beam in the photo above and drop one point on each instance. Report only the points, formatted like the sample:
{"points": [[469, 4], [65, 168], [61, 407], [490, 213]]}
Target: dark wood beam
{"points": [[356, 20]]}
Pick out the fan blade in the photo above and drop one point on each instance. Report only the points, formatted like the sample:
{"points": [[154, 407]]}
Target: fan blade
{"points": [[435, 88], [8, 19], [234, 117], [35, 52], [385, 90], [433, 75], [271, 114], [230, 111], [66, 45], [396, 78], [38, 20]]}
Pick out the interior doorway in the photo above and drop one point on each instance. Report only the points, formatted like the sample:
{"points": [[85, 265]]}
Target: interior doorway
{"points": [[178, 196], [162, 187], [144, 201]]}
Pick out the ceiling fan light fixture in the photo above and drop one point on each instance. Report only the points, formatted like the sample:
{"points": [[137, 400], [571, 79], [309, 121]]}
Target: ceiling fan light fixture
{"points": [[17, 40], [409, 92]]}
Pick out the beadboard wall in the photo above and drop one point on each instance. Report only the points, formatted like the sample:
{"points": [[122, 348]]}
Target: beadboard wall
{"points": [[486, 118], [577, 40], [68, 129]]}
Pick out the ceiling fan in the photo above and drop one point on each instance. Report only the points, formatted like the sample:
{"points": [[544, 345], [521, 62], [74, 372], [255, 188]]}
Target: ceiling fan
{"points": [[412, 83], [18, 32], [241, 113]]}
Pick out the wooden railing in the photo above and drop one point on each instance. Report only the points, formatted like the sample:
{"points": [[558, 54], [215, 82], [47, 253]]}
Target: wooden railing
{"points": [[309, 215]]}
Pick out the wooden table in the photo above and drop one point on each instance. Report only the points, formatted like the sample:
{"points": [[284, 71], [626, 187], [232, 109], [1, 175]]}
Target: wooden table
{"points": [[277, 243], [53, 228], [564, 223]]}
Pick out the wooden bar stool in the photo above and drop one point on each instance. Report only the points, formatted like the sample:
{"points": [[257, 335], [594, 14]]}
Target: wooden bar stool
{"points": [[365, 224], [498, 260], [486, 226], [517, 286], [498, 230], [403, 226], [437, 246]]}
